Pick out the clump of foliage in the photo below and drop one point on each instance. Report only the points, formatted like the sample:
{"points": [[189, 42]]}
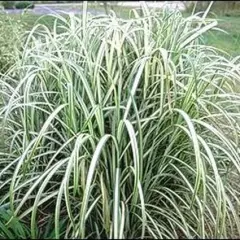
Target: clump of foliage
{"points": [[24, 4], [122, 129], [11, 227], [8, 4], [10, 39]]}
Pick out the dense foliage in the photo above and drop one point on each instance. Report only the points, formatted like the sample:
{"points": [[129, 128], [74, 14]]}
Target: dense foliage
{"points": [[24, 4], [17, 4], [10, 41], [8, 4], [119, 128]]}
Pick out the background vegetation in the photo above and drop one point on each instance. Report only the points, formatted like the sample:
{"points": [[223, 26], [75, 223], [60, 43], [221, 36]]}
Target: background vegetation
{"points": [[17, 4]]}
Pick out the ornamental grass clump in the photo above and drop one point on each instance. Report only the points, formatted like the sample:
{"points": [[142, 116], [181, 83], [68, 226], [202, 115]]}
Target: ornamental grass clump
{"points": [[119, 128]]}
